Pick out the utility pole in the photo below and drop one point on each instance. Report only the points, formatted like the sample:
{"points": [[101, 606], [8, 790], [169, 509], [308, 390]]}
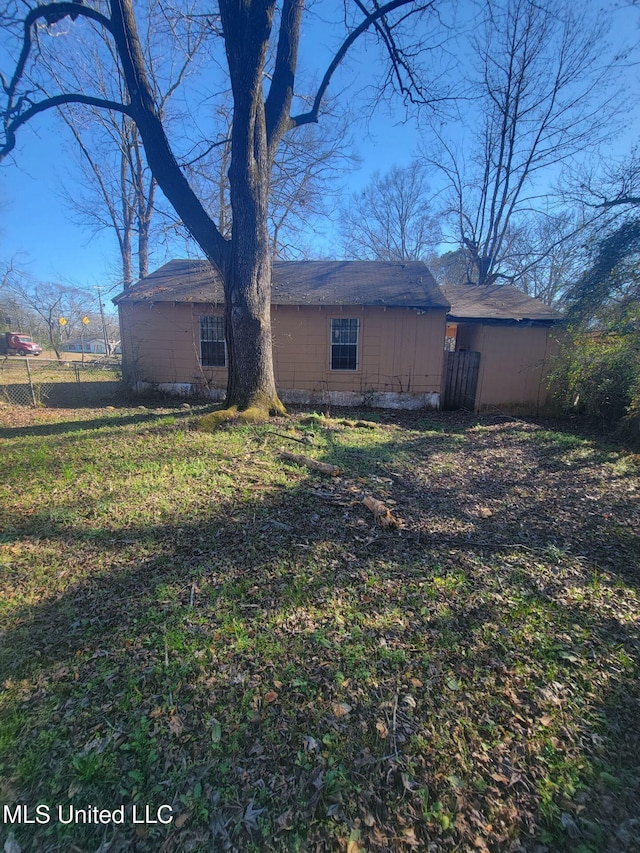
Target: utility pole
{"points": [[104, 323]]}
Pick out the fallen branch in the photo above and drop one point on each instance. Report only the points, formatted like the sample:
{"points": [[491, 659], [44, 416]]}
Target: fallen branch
{"points": [[308, 439], [382, 514], [335, 498], [358, 424], [314, 464]]}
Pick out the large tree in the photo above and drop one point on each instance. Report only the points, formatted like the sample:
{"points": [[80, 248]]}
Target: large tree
{"points": [[538, 98], [263, 89]]}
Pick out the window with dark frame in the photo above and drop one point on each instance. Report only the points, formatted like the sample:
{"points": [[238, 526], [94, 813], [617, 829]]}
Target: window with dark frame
{"points": [[213, 347], [344, 344]]}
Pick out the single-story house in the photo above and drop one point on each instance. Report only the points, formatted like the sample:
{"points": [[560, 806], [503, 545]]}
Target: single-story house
{"points": [[345, 332], [501, 345], [96, 346], [348, 333]]}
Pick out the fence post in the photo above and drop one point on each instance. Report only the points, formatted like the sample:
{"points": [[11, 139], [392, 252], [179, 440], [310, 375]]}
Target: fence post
{"points": [[33, 392]]}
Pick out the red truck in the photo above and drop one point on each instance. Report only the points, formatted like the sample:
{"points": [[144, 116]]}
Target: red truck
{"points": [[13, 343]]}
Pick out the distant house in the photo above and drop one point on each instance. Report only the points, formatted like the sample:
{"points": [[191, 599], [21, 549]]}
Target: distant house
{"points": [[345, 332], [95, 346], [501, 346]]}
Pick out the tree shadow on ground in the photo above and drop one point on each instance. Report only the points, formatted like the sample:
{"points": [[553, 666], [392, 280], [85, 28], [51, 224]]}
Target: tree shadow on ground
{"points": [[282, 671], [98, 419]]}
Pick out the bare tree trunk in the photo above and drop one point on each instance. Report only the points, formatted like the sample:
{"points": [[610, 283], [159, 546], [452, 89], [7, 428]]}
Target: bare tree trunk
{"points": [[251, 381]]}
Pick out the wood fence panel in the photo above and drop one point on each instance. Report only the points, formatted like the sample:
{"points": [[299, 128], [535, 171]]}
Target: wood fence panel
{"points": [[461, 380]]}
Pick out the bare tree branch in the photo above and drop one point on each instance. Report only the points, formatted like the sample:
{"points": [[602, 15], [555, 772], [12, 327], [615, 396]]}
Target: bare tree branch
{"points": [[392, 218], [12, 126], [278, 102], [369, 21], [543, 100]]}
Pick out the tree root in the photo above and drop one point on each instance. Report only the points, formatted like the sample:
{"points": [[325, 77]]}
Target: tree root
{"points": [[257, 413]]}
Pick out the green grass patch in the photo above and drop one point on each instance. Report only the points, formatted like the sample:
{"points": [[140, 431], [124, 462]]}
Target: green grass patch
{"points": [[189, 620]]}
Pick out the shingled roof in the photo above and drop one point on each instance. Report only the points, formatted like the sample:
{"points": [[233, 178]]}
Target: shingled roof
{"points": [[409, 285], [500, 302]]}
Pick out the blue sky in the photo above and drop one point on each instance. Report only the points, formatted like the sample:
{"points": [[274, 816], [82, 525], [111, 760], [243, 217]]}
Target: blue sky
{"points": [[37, 229]]}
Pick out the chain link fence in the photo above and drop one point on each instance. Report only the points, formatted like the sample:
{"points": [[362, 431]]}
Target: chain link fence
{"points": [[31, 382]]}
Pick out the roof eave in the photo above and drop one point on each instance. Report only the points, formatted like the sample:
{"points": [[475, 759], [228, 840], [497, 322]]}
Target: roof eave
{"points": [[538, 321]]}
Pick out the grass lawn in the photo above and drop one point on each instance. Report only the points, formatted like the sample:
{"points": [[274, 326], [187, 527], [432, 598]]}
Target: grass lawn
{"points": [[225, 640]]}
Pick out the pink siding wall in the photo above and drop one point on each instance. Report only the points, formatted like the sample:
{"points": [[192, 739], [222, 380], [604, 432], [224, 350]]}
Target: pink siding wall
{"points": [[161, 343], [515, 362], [399, 349]]}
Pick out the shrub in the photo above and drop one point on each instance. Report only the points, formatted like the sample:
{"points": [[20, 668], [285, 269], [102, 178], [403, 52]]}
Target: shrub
{"points": [[600, 376]]}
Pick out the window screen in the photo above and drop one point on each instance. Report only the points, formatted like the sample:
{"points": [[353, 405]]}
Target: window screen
{"points": [[213, 349], [344, 344]]}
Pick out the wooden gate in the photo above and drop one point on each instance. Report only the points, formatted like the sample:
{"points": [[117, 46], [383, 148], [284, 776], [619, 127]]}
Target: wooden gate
{"points": [[461, 380]]}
